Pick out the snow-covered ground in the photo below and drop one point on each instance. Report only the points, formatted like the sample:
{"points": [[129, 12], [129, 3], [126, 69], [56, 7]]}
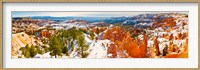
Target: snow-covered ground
{"points": [[165, 42], [99, 49]]}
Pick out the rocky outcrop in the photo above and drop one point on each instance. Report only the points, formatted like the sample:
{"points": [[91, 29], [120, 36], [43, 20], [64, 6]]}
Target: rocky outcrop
{"points": [[21, 40]]}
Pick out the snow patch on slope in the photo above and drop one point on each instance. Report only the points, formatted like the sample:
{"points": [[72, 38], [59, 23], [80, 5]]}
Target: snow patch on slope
{"points": [[99, 49]]}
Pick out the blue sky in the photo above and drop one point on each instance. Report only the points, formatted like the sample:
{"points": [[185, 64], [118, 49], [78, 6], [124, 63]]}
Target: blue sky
{"points": [[85, 14]]}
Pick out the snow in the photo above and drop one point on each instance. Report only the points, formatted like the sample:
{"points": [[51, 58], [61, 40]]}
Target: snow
{"points": [[109, 55], [87, 39], [150, 43], [73, 54], [162, 40], [179, 42], [99, 49], [45, 55], [69, 25]]}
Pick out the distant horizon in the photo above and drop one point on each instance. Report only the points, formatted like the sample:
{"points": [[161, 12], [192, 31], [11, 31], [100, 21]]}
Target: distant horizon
{"points": [[82, 14], [73, 16]]}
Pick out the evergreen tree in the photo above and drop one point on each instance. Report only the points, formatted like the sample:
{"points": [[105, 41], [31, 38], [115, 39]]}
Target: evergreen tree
{"points": [[28, 51], [64, 40], [65, 50], [92, 35], [55, 46], [27, 54], [32, 51], [46, 49], [22, 49], [82, 45], [72, 45]]}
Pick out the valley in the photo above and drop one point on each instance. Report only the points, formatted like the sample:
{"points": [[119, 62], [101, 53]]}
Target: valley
{"points": [[159, 35]]}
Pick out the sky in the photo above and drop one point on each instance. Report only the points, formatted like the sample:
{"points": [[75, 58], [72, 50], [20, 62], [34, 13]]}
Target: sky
{"points": [[83, 14]]}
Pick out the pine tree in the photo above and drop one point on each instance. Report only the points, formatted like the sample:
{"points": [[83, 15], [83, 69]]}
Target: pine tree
{"points": [[82, 45], [72, 45], [32, 51], [55, 46], [27, 54], [28, 51], [46, 49], [92, 35], [65, 50]]}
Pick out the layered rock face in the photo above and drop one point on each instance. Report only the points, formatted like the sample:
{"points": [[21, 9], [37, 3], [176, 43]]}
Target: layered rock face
{"points": [[21, 40]]}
